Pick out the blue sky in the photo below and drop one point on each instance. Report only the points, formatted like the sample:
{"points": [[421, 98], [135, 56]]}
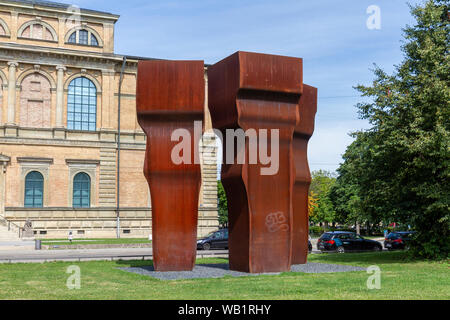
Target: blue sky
{"points": [[331, 36]]}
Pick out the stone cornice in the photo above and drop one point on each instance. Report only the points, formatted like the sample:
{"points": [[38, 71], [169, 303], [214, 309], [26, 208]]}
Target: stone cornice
{"points": [[67, 57], [82, 161], [113, 209], [35, 160], [70, 143], [132, 140], [55, 12]]}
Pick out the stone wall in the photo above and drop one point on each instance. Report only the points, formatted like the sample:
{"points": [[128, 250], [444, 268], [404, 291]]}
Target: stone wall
{"points": [[51, 223]]}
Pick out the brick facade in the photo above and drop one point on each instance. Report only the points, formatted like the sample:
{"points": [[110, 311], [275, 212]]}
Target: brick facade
{"points": [[38, 64], [35, 102]]}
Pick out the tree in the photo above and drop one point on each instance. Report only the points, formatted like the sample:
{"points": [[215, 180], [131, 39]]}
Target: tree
{"points": [[345, 194], [222, 205], [399, 168], [321, 183]]}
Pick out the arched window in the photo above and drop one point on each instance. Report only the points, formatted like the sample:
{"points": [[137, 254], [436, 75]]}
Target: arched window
{"points": [[72, 38], [83, 36], [37, 30], [34, 190], [4, 30], [94, 41], [81, 190], [82, 105]]}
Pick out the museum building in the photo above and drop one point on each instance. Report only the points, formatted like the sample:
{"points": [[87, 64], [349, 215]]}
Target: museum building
{"points": [[71, 149]]}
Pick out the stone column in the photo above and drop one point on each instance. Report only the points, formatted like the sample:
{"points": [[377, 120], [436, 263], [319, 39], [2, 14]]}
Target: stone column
{"points": [[208, 123], [14, 25], [12, 93], [61, 30], [60, 95]]}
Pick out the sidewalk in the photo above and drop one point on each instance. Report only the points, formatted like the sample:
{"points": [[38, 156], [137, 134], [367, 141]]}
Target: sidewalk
{"points": [[16, 245], [12, 256]]}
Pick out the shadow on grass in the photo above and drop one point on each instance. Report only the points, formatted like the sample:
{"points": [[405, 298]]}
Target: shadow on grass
{"points": [[149, 263], [362, 258], [134, 263]]}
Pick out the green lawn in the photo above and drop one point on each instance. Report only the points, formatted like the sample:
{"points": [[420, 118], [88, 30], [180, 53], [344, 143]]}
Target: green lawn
{"points": [[400, 279], [55, 242]]}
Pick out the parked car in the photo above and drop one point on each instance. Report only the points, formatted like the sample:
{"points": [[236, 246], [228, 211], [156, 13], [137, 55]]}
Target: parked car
{"points": [[343, 241], [398, 240], [214, 240]]}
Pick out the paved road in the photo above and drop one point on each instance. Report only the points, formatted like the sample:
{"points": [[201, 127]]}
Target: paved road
{"points": [[31, 255]]}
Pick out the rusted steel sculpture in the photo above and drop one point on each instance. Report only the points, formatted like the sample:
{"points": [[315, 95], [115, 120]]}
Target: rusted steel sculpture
{"points": [[257, 91], [170, 96], [303, 131]]}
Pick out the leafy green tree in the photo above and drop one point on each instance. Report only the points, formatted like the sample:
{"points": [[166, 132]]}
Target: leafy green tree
{"points": [[345, 194], [222, 204], [398, 170], [321, 184]]}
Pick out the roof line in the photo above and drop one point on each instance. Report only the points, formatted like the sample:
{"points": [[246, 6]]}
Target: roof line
{"points": [[56, 5]]}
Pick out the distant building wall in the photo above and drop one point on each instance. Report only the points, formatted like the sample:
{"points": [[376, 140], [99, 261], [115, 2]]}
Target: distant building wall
{"points": [[59, 89]]}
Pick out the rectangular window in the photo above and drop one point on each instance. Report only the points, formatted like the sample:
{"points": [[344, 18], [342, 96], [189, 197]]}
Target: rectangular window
{"points": [[83, 37]]}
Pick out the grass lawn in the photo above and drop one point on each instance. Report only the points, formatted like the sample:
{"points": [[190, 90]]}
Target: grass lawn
{"points": [[400, 279], [55, 242], [373, 237]]}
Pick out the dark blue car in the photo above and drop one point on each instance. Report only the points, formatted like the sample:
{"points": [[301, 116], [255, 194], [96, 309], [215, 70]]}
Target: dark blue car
{"points": [[344, 241], [398, 240], [214, 240]]}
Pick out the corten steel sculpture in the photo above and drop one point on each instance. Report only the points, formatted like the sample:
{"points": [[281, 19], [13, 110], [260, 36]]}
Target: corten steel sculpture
{"points": [[170, 96], [303, 131], [257, 91]]}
